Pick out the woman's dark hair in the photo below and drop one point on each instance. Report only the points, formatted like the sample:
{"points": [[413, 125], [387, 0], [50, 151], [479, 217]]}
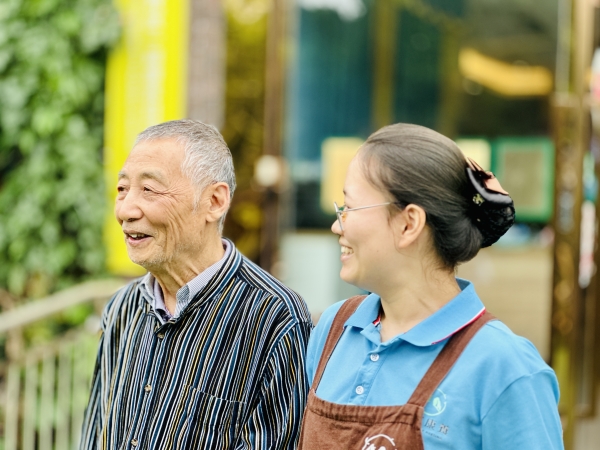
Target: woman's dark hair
{"points": [[420, 166]]}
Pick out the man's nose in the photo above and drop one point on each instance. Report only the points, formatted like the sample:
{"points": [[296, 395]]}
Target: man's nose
{"points": [[127, 208]]}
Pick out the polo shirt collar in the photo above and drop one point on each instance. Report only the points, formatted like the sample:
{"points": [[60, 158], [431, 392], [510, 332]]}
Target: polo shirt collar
{"points": [[459, 312]]}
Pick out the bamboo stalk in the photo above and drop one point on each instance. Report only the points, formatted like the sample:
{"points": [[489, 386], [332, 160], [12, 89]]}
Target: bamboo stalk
{"points": [[11, 407], [30, 401]]}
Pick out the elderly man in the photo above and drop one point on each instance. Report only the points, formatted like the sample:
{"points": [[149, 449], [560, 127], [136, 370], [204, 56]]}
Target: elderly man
{"points": [[207, 350]]}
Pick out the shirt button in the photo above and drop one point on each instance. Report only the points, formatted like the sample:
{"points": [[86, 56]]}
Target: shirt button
{"points": [[148, 388], [134, 442], [374, 356], [360, 390], [161, 335]]}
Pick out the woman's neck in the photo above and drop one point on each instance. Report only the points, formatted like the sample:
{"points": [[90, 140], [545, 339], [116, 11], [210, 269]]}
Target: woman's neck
{"points": [[414, 299]]}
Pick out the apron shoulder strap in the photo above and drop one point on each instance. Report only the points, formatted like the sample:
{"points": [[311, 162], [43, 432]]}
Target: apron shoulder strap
{"points": [[335, 332], [446, 359]]}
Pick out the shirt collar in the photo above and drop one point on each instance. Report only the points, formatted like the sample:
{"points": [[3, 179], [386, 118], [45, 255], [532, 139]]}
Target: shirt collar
{"points": [[187, 292], [459, 312]]}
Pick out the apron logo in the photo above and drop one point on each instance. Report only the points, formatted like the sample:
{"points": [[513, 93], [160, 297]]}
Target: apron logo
{"points": [[379, 442], [436, 404]]}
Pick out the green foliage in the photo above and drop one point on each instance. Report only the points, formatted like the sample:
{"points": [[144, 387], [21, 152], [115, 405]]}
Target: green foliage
{"points": [[52, 63]]}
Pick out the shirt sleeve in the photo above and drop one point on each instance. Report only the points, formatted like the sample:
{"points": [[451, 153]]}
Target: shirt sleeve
{"points": [[274, 424], [525, 416], [91, 419], [90, 431]]}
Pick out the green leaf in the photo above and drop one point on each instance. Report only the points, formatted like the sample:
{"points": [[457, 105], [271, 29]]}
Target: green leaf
{"points": [[52, 64], [17, 277], [38, 8]]}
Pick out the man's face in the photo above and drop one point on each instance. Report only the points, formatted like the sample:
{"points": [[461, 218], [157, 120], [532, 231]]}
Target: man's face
{"points": [[155, 208]]}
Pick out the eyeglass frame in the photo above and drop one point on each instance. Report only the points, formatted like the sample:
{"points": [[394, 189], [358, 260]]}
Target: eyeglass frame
{"points": [[339, 211]]}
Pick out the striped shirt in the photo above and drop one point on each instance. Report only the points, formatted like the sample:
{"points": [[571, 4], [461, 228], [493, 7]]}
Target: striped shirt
{"points": [[227, 373]]}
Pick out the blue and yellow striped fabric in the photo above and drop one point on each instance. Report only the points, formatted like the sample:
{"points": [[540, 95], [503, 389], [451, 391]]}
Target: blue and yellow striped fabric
{"points": [[228, 373]]}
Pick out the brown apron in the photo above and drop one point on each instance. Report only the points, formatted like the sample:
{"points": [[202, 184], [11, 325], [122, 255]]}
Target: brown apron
{"points": [[332, 426]]}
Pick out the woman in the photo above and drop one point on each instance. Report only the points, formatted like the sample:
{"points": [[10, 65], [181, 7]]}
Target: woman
{"points": [[416, 208]]}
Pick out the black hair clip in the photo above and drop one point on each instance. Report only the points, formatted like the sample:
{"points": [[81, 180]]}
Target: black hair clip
{"points": [[486, 185], [493, 210]]}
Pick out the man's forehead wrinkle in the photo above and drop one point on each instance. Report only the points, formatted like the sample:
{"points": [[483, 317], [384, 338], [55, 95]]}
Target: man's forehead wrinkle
{"points": [[153, 175]]}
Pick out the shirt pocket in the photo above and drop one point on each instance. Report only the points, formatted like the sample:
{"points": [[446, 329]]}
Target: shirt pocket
{"points": [[212, 422]]}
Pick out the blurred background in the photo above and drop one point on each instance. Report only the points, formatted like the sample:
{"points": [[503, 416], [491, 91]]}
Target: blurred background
{"points": [[295, 87]]}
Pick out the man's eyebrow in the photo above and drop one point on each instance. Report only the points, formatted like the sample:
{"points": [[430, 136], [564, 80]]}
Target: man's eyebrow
{"points": [[145, 175], [153, 176]]}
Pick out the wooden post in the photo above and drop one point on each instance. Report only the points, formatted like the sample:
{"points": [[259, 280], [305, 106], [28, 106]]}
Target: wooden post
{"points": [[571, 136], [273, 137], [206, 67], [386, 28]]}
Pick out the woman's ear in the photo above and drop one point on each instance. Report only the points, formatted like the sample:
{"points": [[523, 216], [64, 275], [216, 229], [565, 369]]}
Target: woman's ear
{"points": [[218, 196], [408, 225]]}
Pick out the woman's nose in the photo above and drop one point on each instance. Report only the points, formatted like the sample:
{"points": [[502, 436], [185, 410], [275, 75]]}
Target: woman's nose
{"points": [[336, 228]]}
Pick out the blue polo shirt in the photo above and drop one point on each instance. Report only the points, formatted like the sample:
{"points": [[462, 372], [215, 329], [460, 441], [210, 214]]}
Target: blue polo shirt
{"points": [[500, 394]]}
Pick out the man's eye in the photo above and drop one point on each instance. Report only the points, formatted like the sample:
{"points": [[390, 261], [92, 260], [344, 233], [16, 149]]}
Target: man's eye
{"points": [[120, 188]]}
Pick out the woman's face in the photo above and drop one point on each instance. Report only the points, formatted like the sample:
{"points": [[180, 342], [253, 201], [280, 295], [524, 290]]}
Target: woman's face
{"points": [[367, 240]]}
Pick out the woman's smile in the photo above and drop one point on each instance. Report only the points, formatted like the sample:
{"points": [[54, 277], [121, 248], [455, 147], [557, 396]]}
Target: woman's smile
{"points": [[346, 252]]}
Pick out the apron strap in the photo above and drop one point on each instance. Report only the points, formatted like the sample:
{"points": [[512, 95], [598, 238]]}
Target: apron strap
{"points": [[335, 332], [446, 359]]}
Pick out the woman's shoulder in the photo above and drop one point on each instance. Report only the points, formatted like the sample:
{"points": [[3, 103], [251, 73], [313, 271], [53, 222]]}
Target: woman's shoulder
{"points": [[323, 326], [319, 335], [496, 348], [328, 316]]}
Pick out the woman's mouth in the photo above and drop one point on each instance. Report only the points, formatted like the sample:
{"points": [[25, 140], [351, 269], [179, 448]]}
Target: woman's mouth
{"points": [[346, 250]]}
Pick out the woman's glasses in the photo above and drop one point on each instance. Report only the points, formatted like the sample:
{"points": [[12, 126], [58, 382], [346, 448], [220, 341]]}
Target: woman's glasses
{"points": [[342, 211]]}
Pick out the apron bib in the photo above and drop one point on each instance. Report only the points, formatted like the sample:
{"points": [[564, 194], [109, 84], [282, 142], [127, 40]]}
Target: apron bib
{"points": [[332, 426]]}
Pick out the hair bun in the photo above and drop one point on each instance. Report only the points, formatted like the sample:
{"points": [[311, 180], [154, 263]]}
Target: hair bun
{"points": [[492, 210]]}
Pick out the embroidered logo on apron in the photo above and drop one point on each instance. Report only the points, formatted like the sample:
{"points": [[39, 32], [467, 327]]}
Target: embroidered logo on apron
{"points": [[379, 442]]}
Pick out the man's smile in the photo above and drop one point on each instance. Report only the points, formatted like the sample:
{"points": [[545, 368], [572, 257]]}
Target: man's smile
{"points": [[135, 238]]}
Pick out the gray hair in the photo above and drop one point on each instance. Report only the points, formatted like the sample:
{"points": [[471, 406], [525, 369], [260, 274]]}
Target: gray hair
{"points": [[207, 158]]}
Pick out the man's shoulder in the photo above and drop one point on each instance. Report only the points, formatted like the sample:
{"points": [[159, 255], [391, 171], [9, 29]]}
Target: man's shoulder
{"points": [[128, 297], [272, 290]]}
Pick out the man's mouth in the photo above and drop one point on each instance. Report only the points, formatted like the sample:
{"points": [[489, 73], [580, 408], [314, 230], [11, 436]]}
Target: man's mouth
{"points": [[136, 236], [346, 250]]}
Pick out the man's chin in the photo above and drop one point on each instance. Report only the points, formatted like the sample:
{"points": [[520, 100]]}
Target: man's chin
{"points": [[150, 264]]}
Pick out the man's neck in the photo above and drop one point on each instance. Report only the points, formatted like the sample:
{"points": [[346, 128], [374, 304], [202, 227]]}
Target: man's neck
{"points": [[172, 277]]}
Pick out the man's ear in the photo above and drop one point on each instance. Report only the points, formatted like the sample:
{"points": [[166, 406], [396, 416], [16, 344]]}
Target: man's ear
{"points": [[408, 225], [217, 195]]}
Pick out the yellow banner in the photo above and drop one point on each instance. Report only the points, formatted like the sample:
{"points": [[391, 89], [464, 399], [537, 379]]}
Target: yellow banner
{"points": [[146, 83]]}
